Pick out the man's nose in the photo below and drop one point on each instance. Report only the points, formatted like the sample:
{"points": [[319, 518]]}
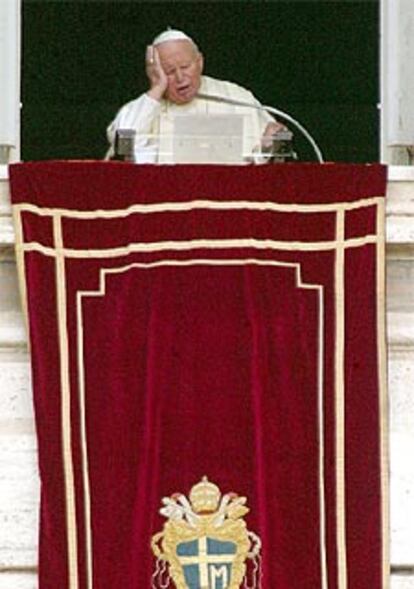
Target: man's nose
{"points": [[179, 75]]}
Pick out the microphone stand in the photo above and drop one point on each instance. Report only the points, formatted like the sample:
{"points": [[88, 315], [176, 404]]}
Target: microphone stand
{"points": [[272, 110]]}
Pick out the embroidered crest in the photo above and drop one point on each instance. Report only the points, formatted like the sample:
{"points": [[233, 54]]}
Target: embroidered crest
{"points": [[205, 543]]}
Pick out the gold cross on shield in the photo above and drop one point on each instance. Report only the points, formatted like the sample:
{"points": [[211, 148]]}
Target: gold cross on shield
{"points": [[203, 559]]}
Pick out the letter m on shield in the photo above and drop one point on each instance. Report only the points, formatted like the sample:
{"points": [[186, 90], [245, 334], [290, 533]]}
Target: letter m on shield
{"points": [[206, 562]]}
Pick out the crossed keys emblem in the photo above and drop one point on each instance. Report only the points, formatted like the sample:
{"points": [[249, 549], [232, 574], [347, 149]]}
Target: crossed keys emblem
{"points": [[205, 543]]}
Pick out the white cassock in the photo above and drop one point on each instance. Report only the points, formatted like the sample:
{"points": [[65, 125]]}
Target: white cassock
{"points": [[154, 121]]}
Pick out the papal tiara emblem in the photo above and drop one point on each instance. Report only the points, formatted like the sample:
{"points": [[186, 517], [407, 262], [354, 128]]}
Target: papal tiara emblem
{"points": [[205, 543]]}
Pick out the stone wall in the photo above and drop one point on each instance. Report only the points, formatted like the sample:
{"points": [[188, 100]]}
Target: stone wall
{"points": [[19, 485]]}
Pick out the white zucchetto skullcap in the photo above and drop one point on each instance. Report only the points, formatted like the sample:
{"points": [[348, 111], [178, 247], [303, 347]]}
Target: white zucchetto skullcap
{"points": [[171, 35]]}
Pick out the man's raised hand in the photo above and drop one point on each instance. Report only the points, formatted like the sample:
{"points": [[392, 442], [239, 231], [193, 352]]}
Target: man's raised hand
{"points": [[156, 75]]}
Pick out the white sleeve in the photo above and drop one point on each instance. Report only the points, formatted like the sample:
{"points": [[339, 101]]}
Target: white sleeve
{"points": [[257, 121], [138, 114], [263, 116]]}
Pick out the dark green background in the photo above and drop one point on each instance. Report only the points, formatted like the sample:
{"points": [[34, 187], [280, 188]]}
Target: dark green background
{"points": [[318, 60]]}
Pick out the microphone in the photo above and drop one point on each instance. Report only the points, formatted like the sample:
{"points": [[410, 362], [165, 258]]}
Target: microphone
{"points": [[272, 110]]}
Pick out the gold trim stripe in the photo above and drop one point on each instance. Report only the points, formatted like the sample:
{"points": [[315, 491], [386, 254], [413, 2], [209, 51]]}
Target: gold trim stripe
{"points": [[84, 449], [322, 515], [383, 396], [162, 246], [68, 469], [340, 400], [165, 207]]}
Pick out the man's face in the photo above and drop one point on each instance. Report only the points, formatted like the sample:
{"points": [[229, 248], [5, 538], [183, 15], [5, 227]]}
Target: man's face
{"points": [[183, 65]]}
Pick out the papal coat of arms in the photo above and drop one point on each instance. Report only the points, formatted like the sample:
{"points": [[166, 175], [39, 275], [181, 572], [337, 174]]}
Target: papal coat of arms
{"points": [[205, 544]]}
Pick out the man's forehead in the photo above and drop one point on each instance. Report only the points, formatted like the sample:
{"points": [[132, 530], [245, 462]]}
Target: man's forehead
{"points": [[182, 48]]}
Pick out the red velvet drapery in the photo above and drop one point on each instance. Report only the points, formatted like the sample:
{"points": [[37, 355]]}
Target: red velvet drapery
{"points": [[207, 320]]}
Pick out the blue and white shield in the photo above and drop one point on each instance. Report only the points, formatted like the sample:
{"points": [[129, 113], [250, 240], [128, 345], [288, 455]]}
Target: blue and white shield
{"points": [[206, 562]]}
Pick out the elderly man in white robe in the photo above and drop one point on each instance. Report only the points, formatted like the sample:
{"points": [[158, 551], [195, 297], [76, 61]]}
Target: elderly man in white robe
{"points": [[174, 67]]}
